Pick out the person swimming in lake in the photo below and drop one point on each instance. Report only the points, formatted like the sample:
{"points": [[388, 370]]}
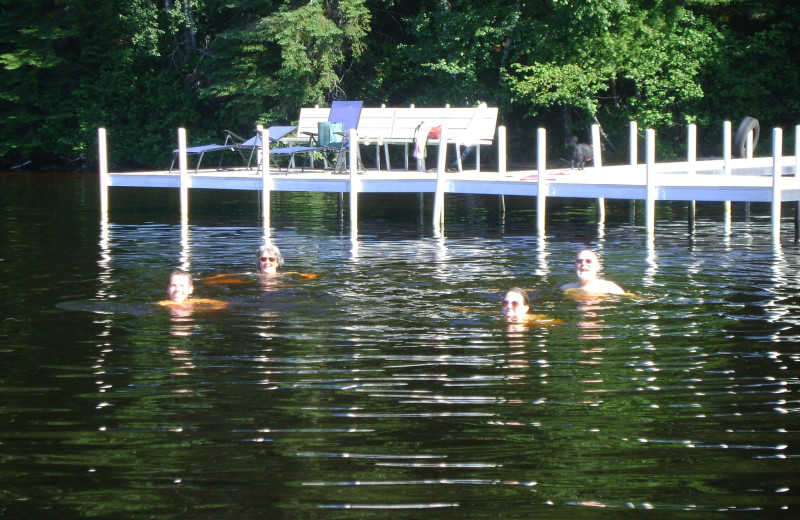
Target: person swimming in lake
{"points": [[587, 268], [270, 259], [515, 306], [516, 303], [180, 288]]}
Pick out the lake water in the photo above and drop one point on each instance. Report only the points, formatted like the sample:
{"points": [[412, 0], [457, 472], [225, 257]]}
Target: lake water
{"points": [[388, 386]]}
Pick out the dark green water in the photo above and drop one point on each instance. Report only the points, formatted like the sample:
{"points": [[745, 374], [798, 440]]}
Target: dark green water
{"points": [[387, 386]]}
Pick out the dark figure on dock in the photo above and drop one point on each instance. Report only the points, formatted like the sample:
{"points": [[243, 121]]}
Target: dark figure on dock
{"points": [[581, 152], [465, 152]]}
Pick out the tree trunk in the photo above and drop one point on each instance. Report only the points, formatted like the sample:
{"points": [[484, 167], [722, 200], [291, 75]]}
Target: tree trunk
{"points": [[189, 42]]}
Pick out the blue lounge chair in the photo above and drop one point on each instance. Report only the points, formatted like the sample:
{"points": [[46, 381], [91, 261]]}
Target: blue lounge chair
{"points": [[343, 117], [236, 144]]}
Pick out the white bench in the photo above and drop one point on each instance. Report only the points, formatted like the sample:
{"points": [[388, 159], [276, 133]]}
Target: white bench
{"points": [[374, 126], [382, 126], [474, 126]]}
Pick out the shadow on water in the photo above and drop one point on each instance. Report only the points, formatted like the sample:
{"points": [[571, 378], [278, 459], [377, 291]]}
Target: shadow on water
{"points": [[388, 386]]}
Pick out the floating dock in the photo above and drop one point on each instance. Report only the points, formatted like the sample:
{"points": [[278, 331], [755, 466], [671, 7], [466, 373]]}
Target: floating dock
{"points": [[753, 179]]}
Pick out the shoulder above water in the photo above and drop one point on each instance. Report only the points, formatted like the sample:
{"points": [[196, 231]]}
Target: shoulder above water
{"points": [[595, 287], [197, 304]]}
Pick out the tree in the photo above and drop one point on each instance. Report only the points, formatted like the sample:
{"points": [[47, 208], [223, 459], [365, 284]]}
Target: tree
{"points": [[144, 67], [265, 68], [70, 67], [756, 71], [614, 61]]}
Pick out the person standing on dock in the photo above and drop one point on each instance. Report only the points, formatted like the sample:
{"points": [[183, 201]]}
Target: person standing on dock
{"points": [[587, 267]]}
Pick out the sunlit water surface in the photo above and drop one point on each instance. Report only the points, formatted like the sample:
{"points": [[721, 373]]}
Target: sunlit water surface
{"points": [[388, 386]]}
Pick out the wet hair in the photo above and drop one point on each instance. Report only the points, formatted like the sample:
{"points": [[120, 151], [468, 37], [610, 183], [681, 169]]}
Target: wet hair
{"points": [[269, 249], [181, 272], [521, 292]]}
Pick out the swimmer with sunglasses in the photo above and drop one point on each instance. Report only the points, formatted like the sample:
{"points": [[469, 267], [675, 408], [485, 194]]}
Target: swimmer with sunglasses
{"points": [[515, 307], [269, 260], [587, 267]]}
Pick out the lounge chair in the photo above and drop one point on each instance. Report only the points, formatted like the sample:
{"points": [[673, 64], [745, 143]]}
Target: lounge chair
{"points": [[236, 144], [343, 117]]}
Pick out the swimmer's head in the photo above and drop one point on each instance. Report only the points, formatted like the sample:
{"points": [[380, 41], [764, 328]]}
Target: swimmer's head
{"points": [[180, 286], [587, 265], [515, 303], [269, 259]]}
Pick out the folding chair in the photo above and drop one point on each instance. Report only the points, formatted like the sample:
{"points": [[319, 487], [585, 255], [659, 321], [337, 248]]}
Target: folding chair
{"points": [[343, 117], [236, 144]]}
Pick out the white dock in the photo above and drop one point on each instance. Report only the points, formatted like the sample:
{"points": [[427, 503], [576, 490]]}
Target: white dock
{"points": [[771, 179]]}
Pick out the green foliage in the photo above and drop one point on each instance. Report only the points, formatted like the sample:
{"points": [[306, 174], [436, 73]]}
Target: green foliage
{"points": [[642, 64], [143, 68], [549, 84], [285, 59]]}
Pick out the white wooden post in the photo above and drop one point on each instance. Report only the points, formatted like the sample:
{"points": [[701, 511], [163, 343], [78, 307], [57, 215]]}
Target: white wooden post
{"points": [[597, 147], [650, 202], [633, 159], [184, 172], [355, 183], [266, 181], [726, 147], [797, 175], [102, 156], [691, 148], [438, 200], [726, 157], [777, 156], [797, 151], [502, 159], [691, 160], [541, 166], [260, 149]]}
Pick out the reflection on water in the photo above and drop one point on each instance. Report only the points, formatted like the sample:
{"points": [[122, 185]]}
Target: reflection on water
{"points": [[389, 386]]}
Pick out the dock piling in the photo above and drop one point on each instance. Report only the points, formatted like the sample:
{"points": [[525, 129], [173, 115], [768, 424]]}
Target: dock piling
{"points": [[797, 175], [102, 157], [502, 159], [541, 167], [727, 169], [184, 172], [713, 180], [354, 182], [266, 181], [650, 190], [438, 201], [691, 160], [598, 163], [633, 159], [777, 170]]}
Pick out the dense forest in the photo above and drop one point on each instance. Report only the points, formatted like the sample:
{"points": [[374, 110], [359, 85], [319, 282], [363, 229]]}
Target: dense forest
{"points": [[142, 68]]}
